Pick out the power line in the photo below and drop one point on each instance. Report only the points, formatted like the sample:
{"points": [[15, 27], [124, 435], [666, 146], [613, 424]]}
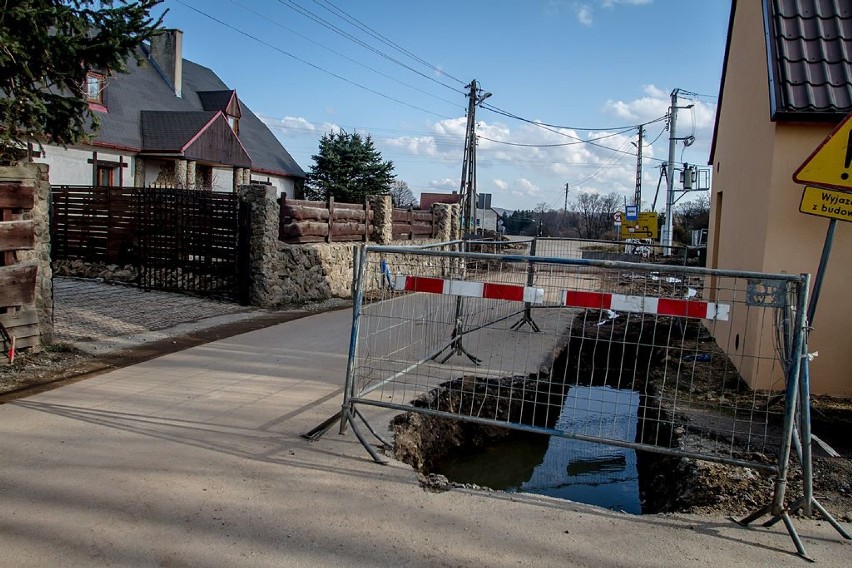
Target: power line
{"points": [[325, 23], [553, 129], [344, 56], [506, 113], [578, 141], [308, 63], [340, 12]]}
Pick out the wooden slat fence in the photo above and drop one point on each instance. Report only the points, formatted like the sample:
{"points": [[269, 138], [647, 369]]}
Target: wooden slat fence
{"points": [[412, 224], [180, 240], [304, 221], [94, 224], [17, 278]]}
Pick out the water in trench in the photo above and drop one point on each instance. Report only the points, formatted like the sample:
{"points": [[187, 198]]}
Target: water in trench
{"points": [[596, 474]]}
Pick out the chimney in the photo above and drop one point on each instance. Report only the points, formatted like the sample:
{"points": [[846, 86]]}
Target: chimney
{"points": [[167, 54]]}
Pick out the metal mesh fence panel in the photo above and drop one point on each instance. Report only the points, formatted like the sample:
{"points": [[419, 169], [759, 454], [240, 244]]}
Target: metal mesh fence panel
{"points": [[695, 358]]}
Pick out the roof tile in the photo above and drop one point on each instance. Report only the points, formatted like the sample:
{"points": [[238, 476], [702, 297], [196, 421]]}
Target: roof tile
{"points": [[811, 43]]}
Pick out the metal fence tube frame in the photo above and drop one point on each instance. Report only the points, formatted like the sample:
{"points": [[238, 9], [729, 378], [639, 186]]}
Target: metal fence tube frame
{"points": [[359, 263], [695, 270], [799, 350], [771, 468], [694, 380]]}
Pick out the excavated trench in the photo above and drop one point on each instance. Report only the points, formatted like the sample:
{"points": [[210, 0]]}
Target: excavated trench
{"points": [[588, 366]]}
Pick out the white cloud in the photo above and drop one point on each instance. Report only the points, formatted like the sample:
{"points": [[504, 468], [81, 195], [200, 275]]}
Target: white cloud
{"points": [[298, 125], [500, 184], [585, 11], [613, 3], [584, 14], [445, 184], [525, 187]]}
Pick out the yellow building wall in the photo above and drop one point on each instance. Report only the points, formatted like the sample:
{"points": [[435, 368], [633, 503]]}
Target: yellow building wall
{"points": [[755, 223], [741, 185], [794, 244]]}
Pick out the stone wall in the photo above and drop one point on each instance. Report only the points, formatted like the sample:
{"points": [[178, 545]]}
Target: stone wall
{"points": [[36, 175], [287, 273]]}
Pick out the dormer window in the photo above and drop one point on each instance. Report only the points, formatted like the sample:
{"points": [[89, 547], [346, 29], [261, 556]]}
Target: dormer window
{"points": [[234, 123], [94, 88]]}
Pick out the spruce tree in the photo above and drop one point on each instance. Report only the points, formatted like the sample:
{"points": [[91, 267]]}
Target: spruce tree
{"points": [[348, 168], [47, 47]]}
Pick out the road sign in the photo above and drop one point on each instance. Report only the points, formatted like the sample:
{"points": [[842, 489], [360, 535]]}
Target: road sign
{"points": [[830, 165], [644, 227], [632, 212], [826, 203]]}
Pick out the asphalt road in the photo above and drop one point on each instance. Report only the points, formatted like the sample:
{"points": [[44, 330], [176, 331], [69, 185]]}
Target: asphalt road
{"points": [[195, 459]]}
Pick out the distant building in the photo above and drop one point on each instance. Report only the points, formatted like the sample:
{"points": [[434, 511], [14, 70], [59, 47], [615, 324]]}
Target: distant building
{"points": [[487, 220], [169, 122], [429, 199]]}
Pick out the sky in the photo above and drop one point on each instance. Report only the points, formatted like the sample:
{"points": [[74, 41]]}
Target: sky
{"points": [[398, 71]]}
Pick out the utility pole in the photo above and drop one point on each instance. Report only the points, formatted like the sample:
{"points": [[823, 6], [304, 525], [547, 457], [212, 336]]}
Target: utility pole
{"points": [[565, 209], [637, 196], [667, 228], [467, 190]]}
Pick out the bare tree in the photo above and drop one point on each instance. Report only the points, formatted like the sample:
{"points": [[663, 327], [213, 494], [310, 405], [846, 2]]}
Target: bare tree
{"points": [[595, 213], [401, 195], [691, 216]]}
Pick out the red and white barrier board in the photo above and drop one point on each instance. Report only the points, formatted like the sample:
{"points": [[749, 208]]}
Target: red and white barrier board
{"points": [[490, 290], [647, 305]]}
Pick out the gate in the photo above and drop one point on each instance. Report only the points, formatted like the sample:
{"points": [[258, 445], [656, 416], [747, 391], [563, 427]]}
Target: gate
{"points": [[712, 356], [193, 241], [180, 240]]}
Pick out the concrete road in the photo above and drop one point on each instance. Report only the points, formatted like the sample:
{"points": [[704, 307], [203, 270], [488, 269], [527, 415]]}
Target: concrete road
{"points": [[195, 459]]}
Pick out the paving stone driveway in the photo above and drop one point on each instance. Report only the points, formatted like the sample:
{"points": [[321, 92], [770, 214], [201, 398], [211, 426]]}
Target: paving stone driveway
{"points": [[98, 317]]}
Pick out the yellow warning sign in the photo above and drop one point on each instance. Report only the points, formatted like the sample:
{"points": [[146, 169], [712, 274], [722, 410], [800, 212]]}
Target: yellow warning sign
{"points": [[830, 165], [645, 227], [827, 203]]}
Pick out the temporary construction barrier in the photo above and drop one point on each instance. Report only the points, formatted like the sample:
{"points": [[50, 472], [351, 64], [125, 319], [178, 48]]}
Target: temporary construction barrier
{"points": [[441, 333]]}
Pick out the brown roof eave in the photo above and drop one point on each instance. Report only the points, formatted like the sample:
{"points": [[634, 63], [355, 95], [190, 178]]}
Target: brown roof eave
{"points": [[832, 118], [722, 82], [276, 173]]}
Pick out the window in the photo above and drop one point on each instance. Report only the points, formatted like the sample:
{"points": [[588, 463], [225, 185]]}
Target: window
{"points": [[234, 123], [104, 176], [94, 88]]}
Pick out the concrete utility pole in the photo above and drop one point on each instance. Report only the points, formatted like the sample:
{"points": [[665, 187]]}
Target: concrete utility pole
{"points": [[637, 196], [467, 190], [667, 228], [566, 198]]}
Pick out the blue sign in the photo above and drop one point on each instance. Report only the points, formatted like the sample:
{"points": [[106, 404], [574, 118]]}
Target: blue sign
{"points": [[632, 212]]}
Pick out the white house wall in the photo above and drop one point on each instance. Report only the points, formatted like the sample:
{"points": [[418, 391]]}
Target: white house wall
{"points": [[69, 166], [282, 185]]}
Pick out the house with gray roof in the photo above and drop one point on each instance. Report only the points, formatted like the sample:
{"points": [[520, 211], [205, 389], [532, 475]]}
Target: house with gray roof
{"points": [[786, 84], [169, 122]]}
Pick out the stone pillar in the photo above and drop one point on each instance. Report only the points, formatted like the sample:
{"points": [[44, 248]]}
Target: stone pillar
{"points": [[455, 219], [139, 172], [240, 178], [265, 288], [180, 173], [443, 221], [382, 207], [37, 176], [190, 174]]}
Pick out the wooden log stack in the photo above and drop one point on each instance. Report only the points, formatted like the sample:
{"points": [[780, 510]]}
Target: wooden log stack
{"points": [[17, 278]]}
